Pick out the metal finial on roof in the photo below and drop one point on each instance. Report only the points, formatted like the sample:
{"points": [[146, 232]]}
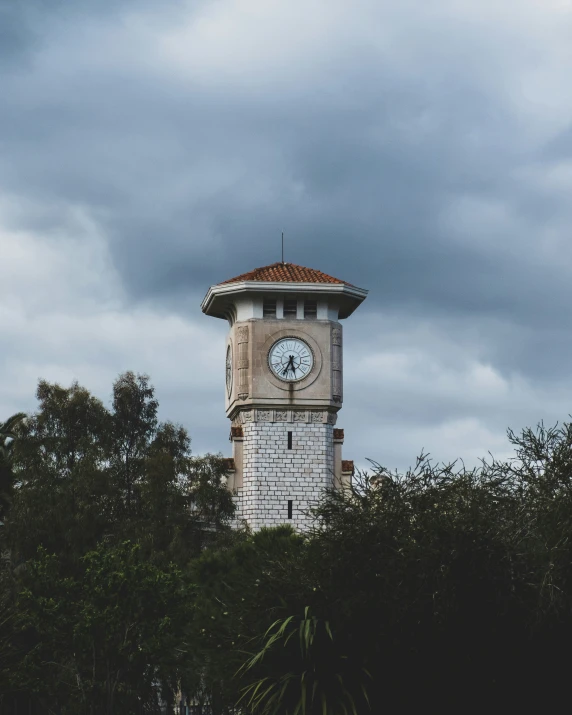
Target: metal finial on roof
{"points": [[282, 247]]}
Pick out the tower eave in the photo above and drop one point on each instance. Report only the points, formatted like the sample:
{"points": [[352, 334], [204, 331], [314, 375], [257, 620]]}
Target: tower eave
{"points": [[219, 299]]}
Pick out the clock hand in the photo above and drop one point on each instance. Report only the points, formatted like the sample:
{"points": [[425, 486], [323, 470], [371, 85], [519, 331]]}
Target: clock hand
{"points": [[289, 364]]}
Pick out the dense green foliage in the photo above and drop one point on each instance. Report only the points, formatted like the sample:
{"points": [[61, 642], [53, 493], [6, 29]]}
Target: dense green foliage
{"points": [[104, 634], [444, 588], [239, 593], [107, 510], [85, 473]]}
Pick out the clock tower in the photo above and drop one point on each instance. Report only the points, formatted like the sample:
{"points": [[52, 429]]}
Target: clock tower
{"points": [[284, 378]]}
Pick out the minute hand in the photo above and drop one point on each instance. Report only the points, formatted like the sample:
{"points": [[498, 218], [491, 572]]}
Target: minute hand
{"points": [[290, 366]]}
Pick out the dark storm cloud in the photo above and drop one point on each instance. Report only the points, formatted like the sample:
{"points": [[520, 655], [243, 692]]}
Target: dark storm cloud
{"points": [[16, 34], [117, 138], [418, 179], [25, 24], [184, 171]]}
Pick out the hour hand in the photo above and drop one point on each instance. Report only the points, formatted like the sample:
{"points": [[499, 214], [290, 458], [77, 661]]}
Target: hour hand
{"points": [[289, 366]]}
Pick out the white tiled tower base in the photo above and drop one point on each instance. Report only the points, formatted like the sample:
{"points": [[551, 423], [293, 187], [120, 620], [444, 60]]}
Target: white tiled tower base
{"points": [[273, 475]]}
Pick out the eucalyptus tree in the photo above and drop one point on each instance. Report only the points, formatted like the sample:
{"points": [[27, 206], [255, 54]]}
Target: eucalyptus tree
{"points": [[88, 480], [85, 473]]}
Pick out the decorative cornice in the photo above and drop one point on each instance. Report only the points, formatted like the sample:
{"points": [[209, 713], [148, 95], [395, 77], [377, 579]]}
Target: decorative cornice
{"points": [[308, 416]]}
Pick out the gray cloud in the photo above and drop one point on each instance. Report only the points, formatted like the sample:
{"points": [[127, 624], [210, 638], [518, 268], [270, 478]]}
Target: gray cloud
{"points": [[423, 155], [26, 26]]}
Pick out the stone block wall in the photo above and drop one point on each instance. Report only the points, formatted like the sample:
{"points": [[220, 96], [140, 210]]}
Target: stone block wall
{"points": [[273, 474]]}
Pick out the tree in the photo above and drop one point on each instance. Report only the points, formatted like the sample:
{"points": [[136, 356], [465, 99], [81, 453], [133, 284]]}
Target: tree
{"points": [[107, 638], [238, 591], [417, 571], [452, 587], [89, 480], [61, 501], [85, 473], [7, 437], [7, 580], [134, 424]]}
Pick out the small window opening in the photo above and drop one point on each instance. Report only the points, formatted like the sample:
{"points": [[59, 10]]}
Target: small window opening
{"points": [[269, 308], [290, 308], [289, 440], [310, 309], [290, 504]]}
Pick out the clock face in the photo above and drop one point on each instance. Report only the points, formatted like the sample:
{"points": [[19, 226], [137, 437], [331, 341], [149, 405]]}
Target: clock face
{"points": [[290, 359], [229, 369]]}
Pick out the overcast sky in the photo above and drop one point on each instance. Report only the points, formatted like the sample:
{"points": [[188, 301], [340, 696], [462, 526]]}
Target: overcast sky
{"points": [[421, 150]]}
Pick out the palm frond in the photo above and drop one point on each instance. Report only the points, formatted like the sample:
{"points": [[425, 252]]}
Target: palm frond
{"points": [[7, 428]]}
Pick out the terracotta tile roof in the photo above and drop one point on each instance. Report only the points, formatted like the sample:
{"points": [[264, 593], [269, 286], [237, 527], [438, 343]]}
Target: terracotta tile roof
{"points": [[285, 273]]}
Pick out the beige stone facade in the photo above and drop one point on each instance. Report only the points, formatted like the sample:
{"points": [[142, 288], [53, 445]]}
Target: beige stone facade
{"points": [[253, 383]]}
